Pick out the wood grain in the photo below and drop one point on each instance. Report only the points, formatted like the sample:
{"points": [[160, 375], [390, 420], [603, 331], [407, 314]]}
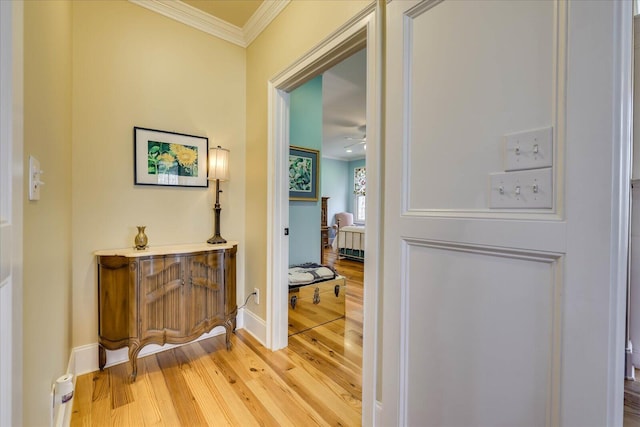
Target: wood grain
{"points": [[316, 381], [632, 403]]}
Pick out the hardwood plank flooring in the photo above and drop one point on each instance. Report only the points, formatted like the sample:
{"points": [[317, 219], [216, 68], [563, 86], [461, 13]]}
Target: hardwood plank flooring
{"points": [[315, 381], [632, 403]]}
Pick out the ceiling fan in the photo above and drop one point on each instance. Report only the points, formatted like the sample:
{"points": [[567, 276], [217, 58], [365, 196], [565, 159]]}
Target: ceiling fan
{"points": [[356, 141]]}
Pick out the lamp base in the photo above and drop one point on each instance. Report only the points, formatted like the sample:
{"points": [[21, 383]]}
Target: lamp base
{"points": [[217, 239]]}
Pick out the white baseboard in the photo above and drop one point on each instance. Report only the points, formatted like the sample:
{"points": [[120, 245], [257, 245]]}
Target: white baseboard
{"points": [[86, 356], [378, 413], [255, 326]]}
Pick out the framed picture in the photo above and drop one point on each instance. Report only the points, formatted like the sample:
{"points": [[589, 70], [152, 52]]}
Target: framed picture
{"points": [[304, 168], [169, 158]]}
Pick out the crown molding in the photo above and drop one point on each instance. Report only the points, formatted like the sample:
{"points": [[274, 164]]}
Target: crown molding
{"points": [[261, 18], [202, 21]]}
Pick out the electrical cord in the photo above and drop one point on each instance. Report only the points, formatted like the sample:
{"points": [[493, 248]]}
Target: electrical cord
{"points": [[247, 300]]}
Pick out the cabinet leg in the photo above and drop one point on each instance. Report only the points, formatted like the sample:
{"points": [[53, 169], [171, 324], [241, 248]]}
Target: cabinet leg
{"points": [[102, 357], [229, 326], [133, 358]]}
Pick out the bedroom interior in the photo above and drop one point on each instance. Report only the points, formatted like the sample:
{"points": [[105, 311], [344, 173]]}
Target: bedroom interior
{"points": [[324, 115], [80, 76], [328, 115]]}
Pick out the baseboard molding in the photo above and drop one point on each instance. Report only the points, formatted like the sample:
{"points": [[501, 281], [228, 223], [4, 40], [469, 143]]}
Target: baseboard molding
{"points": [[378, 413], [85, 358], [255, 326], [87, 355]]}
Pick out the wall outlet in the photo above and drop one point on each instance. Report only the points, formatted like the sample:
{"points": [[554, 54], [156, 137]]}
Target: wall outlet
{"points": [[256, 297]]}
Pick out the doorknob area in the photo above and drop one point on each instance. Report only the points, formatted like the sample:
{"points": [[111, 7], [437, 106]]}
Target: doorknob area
{"points": [[35, 181]]}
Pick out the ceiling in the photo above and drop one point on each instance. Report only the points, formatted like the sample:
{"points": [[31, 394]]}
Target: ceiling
{"points": [[343, 86], [344, 103]]}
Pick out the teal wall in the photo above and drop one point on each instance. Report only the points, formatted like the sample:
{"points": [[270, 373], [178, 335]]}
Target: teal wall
{"points": [[305, 130], [351, 199], [335, 173]]}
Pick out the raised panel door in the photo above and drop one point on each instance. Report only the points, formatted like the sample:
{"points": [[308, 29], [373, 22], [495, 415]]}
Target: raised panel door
{"points": [[492, 317]]}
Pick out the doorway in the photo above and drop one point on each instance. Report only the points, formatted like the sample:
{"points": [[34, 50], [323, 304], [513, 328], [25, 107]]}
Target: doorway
{"points": [[328, 120], [357, 34]]}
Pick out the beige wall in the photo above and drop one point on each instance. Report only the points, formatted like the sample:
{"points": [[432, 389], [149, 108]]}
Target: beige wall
{"points": [[93, 71], [133, 67], [300, 27], [47, 222]]}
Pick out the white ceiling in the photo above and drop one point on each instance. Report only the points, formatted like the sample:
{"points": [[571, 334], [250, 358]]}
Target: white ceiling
{"points": [[344, 108]]}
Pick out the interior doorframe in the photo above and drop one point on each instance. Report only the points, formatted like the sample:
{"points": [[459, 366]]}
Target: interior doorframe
{"points": [[11, 151], [362, 31]]}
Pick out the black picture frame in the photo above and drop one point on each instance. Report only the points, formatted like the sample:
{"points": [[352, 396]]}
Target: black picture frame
{"points": [[169, 159]]}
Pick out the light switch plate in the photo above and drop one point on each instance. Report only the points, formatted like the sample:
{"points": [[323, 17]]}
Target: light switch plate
{"points": [[528, 150], [531, 189]]}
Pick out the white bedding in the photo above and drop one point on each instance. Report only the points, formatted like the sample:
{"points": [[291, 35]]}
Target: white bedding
{"points": [[350, 237]]}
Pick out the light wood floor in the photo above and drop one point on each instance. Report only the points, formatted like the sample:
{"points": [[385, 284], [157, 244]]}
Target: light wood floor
{"points": [[632, 403], [317, 380]]}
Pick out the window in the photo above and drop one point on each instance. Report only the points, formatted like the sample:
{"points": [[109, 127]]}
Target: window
{"points": [[360, 208], [360, 190]]}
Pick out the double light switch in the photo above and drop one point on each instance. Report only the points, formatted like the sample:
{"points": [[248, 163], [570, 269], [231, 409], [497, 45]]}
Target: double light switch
{"points": [[527, 181]]}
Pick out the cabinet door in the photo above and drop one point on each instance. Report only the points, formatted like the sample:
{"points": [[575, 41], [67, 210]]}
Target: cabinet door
{"points": [[113, 300], [162, 311], [206, 283]]}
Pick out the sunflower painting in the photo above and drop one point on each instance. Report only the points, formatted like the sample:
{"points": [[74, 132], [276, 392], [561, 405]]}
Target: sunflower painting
{"points": [[170, 158]]}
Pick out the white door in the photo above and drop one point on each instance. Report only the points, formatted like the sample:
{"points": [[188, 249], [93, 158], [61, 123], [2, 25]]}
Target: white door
{"points": [[501, 308], [10, 312]]}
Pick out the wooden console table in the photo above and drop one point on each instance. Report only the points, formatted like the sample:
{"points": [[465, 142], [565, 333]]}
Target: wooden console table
{"points": [[170, 294]]}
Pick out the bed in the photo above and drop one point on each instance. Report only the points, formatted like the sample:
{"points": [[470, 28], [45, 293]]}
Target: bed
{"points": [[316, 296], [349, 242]]}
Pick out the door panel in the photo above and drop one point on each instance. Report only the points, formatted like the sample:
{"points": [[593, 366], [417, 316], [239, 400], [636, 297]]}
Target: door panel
{"points": [[494, 316], [474, 73], [161, 297], [471, 331]]}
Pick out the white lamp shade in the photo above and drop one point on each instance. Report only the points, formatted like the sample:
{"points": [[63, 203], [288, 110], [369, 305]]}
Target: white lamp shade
{"points": [[218, 164]]}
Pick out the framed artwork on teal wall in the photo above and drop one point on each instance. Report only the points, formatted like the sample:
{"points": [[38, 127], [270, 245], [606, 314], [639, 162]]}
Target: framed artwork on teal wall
{"points": [[304, 168]]}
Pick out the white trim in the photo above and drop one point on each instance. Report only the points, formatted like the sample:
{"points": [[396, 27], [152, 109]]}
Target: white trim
{"points": [[620, 212], [195, 18], [262, 17], [86, 356], [85, 359], [277, 217], [377, 413], [6, 231], [11, 142], [255, 326], [217, 27], [360, 31]]}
